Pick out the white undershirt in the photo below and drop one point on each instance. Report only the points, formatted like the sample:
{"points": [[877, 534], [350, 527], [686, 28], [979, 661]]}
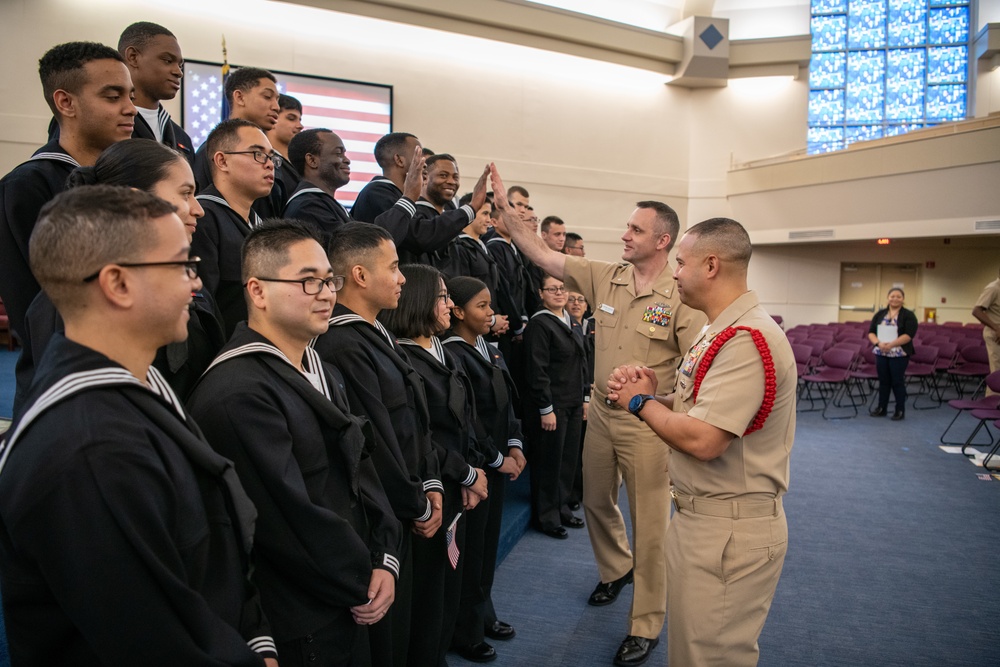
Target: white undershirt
{"points": [[150, 116]]}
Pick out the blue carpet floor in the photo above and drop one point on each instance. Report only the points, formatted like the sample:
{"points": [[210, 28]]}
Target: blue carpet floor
{"points": [[892, 561]]}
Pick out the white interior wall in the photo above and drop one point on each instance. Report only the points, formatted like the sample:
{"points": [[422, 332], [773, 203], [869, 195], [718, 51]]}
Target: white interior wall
{"points": [[587, 139]]}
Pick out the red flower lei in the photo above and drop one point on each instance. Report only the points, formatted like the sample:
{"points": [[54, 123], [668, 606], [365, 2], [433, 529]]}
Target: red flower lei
{"points": [[770, 381]]}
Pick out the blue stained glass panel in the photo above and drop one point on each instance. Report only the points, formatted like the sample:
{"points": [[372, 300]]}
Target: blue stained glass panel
{"points": [[829, 7], [945, 103], [947, 64], [829, 33], [863, 133], [866, 24], [826, 107], [948, 25], [948, 3], [825, 140], [893, 130], [904, 96], [907, 22], [827, 70]]}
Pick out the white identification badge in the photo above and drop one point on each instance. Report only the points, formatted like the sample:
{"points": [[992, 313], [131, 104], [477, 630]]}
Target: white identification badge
{"points": [[607, 309]]}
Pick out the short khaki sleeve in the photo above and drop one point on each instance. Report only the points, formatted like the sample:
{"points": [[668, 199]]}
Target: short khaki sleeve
{"points": [[733, 389], [588, 277]]}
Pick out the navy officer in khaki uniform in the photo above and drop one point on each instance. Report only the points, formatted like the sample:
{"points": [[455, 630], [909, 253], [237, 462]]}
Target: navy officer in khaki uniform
{"points": [[730, 432], [639, 320]]}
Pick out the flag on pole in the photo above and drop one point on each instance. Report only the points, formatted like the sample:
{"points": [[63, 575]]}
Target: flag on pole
{"points": [[449, 537], [225, 77]]}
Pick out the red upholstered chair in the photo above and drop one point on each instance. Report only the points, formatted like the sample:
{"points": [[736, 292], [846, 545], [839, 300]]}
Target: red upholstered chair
{"points": [[973, 365], [833, 381], [968, 405]]}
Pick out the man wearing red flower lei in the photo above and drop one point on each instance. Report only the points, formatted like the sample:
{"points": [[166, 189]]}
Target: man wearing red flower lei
{"points": [[730, 422]]}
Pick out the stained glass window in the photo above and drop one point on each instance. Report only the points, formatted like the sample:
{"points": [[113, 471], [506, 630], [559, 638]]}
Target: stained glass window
{"points": [[881, 68]]}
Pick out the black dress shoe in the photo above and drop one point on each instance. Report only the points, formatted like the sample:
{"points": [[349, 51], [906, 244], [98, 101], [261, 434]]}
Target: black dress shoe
{"points": [[608, 593], [500, 630], [558, 532], [573, 522], [574, 506], [878, 412], [635, 650], [481, 652], [897, 415]]}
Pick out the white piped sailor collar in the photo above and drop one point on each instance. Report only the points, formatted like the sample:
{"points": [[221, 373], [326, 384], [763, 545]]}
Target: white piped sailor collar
{"points": [[350, 318], [57, 157], [254, 218], [311, 361], [564, 318]]}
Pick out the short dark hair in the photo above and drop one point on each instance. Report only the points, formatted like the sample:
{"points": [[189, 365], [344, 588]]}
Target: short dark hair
{"points": [[354, 243], [82, 230], [667, 221], [133, 163], [437, 157], [306, 142], [245, 79], [415, 316], [550, 220], [224, 137], [428, 152], [61, 68], [286, 102], [724, 237], [896, 289], [463, 288], [517, 189], [138, 35], [573, 236], [389, 145], [265, 249]]}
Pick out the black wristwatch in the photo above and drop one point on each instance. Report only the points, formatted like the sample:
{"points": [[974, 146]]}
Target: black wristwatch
{"points": [[638, 401]]}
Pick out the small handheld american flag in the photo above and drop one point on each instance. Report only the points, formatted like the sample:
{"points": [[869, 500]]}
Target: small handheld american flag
{"points": [[449, 537]]}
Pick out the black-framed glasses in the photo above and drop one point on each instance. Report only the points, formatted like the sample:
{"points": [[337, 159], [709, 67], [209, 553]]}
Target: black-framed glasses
{"points": [[190, 267], [444, 296], [576, 299], [311, 286], [555, 290], [260, 157]]}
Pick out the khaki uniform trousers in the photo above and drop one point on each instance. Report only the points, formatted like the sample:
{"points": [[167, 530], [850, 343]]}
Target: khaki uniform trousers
{"points": [[620, 446], [993, 350], [723, 573]]}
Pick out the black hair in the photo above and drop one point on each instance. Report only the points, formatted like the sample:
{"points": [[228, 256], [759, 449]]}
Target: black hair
{"points": [[463, 288], [352, 243], [138, 35], [224, 137], [725, 237], [306, 142], [134, 163], [61, 68], [388, 146], [573, 236], [265, 248], [517, 189], [286, 102], [415, 315], [246, 79], [437, 157]]}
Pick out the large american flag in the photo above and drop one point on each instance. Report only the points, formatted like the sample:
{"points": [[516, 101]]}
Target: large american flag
{"points": [[359, 113]]}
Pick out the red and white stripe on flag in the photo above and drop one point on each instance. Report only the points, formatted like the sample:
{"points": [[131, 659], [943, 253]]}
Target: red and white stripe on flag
{"points": [[452, 543]]}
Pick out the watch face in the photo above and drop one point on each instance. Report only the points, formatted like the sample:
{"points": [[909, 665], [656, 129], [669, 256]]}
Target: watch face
{"points": [[635, 403]]}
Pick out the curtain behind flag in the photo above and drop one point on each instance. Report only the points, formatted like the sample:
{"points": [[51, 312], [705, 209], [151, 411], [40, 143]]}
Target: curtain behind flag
{"points": [[224, 113]]}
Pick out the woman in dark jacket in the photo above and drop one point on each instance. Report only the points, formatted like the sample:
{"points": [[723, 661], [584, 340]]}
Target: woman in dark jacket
{"points": [[424, 311], [891, 332]]}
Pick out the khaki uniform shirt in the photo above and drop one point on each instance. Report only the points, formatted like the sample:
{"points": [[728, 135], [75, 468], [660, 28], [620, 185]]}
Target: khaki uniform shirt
{"points": [[990, 300], [753, 467], [650, 329]]}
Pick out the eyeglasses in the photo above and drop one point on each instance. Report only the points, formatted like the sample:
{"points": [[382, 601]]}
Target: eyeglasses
{"points": [[311, 286], [260, 156], [555, 290], [576, 299], [444, 297], [190, 267]]}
